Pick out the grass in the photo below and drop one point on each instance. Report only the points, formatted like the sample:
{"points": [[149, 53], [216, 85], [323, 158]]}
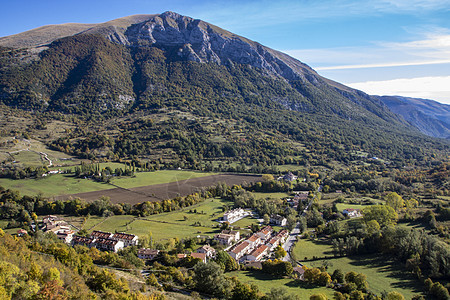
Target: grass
{"points": [[265, 283], [308, 248], [57, 184], [382, 275], [342, 206], [245, 222], [61, 184], [166, 225], [158, 177]]}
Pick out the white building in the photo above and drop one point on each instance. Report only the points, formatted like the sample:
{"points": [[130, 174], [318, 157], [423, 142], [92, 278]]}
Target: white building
{"points": [[278, 220], [233, 215], [146, 253]]}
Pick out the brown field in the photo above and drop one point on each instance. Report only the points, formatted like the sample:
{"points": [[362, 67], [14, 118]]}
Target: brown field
{"points": [[163, 191]]}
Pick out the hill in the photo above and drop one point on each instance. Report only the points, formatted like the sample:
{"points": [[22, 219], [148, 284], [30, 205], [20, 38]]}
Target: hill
{"points": [[169, 86], [430, 117]]}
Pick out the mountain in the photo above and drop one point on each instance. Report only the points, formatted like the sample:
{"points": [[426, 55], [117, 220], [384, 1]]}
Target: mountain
{"points": [[191, 78], [169, 37], [430, 117]]}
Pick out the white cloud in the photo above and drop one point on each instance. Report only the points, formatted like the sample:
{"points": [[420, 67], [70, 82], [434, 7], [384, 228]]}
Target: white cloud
{"points": [[435, 88], [433, 49]]}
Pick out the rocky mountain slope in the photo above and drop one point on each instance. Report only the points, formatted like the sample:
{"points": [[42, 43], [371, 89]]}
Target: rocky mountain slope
{"points": [[430, 117], [143, 67], [165, 38]]}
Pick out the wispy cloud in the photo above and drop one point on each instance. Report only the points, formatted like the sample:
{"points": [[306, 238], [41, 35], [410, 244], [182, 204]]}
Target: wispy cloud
{"points": [[432, 50], [384, 65], [436, 88]]}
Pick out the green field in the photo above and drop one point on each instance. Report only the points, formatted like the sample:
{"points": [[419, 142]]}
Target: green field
{"points": [[266, 282], [245, 222], [61, 184], [57, 184], [342, 206], [308, 248], [158, 177], [166, 225], [382, 275]]}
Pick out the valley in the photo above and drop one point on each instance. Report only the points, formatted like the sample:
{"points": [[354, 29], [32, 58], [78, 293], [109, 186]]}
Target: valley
{"points": [[128, 147]]}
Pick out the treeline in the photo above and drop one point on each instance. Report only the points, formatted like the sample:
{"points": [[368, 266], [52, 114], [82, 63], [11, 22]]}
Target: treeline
{"points": [[45, 268]]}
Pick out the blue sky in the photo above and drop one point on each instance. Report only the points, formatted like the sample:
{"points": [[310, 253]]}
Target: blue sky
{"points": [[385, 47]]}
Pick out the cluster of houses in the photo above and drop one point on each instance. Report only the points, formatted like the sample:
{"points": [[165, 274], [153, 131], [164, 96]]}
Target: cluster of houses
{"points": [[203, 253], [59, 227], [258, 245], [106, 241]]}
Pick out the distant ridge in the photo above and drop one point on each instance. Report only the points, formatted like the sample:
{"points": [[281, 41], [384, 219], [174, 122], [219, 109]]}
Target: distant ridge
{"points": [[430, 117]]}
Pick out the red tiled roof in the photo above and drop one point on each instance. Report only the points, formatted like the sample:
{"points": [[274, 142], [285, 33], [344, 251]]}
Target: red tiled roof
{"points": [[253, 238], [240, 247], [202, 256], [259, 250], [123, 236]]}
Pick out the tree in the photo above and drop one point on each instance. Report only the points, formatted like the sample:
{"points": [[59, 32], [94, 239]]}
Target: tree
{"points": [[383, 214], [280, 252], [311, 275], [324, 279], [439, 291], [266, 219], [394, 296], [226, 262], [209, 278], [338, 275], [395, 201]]}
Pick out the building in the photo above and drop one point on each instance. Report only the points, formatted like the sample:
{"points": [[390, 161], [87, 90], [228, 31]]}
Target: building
{"points": [[65, 235], [283, 235], [100, 234], [233, 215], [201, 256], [273, 243], [288, 177], [265, 233], [258, 253], [127, 239], [299, 271], [235, 233], [22, 232], [254, 241], [108, 245], [278, 220], [145, 253], [83, 241], [208, 250], [240, 250], [352, 213], [224, 239]]}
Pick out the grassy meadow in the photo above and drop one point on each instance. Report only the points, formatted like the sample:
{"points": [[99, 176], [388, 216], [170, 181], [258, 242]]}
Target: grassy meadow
{"points": [[62, 184], [266, 282], [166, 225], [382, 275]]}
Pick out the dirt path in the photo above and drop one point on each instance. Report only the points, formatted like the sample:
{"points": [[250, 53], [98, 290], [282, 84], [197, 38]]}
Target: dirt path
{"points": [[163, 191]]}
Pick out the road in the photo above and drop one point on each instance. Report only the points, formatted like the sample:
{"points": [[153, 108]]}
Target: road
{"points": [[290, 242]]}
